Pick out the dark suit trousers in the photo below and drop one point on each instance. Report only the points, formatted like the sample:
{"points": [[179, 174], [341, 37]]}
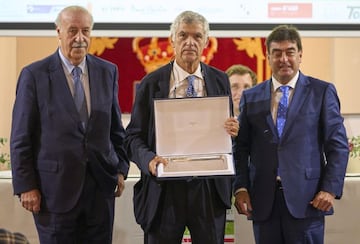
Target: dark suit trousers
{"points": [[90, 221], [193, 204], [283, 228]]}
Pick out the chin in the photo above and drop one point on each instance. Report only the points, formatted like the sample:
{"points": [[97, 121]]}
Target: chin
{"points": [[78, 53]]}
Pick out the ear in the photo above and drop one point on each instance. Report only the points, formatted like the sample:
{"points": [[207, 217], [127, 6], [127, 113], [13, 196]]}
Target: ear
{"points": [[172, 42], [268, 55], [268, 58], [58, 31]]}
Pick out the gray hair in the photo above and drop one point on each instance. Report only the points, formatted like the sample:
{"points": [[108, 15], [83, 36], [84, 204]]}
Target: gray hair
{"points": [[73, 8], [189, 17]]}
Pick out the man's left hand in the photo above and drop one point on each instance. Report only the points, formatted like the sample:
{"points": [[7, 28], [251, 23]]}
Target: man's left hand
{"points": [[323, 201], [232, 126], [120, 186]]}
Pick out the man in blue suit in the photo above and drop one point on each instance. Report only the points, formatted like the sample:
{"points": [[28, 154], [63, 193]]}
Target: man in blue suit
{"points": [[68, 166], [289, 172], [165, 208]]}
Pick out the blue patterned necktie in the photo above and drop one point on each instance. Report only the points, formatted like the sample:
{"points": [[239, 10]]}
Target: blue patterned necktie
{"points": [[79, 95], [282, 109], [190, 91]]}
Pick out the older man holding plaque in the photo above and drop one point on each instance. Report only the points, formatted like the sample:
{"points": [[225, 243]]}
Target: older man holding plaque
{"points": [[164, 208]]}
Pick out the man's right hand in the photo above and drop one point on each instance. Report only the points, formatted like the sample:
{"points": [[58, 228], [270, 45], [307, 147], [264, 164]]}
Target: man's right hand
{"points": [[154, 163], [31, 200], [243, 204]]}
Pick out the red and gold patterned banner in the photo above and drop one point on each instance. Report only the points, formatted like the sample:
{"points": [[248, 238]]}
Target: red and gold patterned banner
{"points": [[138, 56]]}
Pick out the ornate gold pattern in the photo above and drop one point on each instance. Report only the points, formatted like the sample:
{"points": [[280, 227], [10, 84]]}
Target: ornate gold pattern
{"points": [[100, 44], [253, 48]]}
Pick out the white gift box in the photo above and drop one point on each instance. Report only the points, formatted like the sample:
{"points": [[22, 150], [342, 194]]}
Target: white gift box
{"points": [[190, 134]]}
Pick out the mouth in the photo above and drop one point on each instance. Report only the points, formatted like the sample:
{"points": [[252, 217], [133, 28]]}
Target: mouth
{"points": [[285, 65], [189, 50], [285, 68], [79, 45]]}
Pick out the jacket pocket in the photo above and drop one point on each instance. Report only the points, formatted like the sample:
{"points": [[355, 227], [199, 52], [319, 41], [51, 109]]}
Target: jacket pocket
{"points": [[312, 173], [48, 166]]}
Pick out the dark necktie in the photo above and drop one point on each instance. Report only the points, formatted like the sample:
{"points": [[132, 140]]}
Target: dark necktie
{"points": [[190, 91], [282, 109], [79, 95]]}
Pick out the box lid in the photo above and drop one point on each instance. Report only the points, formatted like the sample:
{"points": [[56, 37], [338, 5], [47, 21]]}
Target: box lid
{"points": [[192, 126]]}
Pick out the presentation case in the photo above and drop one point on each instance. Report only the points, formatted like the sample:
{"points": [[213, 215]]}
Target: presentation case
{"points": [[190, 134]]}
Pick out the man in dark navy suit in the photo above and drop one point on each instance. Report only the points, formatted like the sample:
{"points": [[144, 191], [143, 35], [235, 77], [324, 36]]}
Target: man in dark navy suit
{"points": [[291, 152], [164, 209], [69, 163]]}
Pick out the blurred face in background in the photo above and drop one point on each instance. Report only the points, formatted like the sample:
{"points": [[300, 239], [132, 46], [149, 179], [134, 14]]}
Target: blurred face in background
{"points": [[238, 84]]}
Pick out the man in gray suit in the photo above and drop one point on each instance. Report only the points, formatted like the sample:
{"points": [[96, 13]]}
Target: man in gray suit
{"points": [[67, 153]]}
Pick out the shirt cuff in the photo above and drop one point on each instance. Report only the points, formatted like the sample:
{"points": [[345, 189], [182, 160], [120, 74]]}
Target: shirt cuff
{"points": [[240, 190]]}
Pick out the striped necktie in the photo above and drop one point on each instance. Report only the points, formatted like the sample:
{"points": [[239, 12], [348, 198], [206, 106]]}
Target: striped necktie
{"points": [[79, 95]]}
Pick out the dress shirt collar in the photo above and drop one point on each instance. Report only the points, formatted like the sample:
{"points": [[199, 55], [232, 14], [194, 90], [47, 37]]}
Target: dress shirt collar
{"points": [[291, 83], [69, 67], [180, 74]]}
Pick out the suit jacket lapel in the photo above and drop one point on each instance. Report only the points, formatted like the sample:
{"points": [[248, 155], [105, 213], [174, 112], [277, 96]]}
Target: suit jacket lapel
{"points": [[94, 86], [301, 93], [164, 83], [59, 83], [267, 93], [209, 81]]}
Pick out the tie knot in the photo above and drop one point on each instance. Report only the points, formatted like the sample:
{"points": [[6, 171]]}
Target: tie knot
{"points": [[76, 72], [191, 78], [284, 89]]}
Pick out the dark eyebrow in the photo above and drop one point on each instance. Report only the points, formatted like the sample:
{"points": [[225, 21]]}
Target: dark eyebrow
{"points": [[280, 50]]}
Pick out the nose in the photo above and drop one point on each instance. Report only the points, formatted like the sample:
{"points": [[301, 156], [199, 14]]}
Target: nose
{"points": [[190, 41], [283, 57], [79, 36]]}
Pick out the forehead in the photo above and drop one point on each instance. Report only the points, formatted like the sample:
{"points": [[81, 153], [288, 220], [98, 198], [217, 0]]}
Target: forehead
{"points": [[283, 45], [191, 27], [237, 78], [76, 19]]}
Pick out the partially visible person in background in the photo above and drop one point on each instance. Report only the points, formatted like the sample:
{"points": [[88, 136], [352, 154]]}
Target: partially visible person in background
{"points": [[241, 78], [8, 237], [67, 139]]}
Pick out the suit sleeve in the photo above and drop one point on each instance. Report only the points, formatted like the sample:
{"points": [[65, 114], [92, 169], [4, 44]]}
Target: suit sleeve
{"points": [[241, 149], [336, 147], [24, 132], [140, 131], [117, 135]]}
